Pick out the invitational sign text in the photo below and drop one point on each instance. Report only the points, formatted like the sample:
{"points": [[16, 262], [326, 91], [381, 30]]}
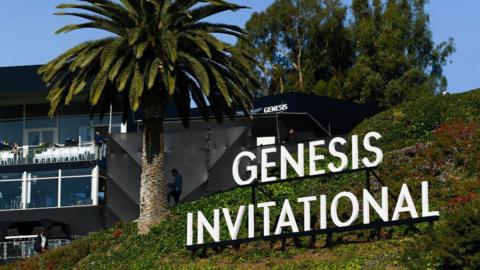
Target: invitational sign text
{"points": [[363, 207]]}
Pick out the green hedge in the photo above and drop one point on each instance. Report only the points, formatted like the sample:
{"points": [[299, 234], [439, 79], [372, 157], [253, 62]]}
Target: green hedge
{"points": [[413, 122]]}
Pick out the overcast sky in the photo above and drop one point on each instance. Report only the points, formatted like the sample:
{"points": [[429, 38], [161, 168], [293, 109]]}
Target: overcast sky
{"points": [[27, 33]]}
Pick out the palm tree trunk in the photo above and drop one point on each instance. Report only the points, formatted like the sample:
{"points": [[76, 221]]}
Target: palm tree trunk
{"points": [[153, 192]]}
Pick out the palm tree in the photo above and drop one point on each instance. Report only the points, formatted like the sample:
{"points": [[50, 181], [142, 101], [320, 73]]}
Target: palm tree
{"points": [[159, 51]]}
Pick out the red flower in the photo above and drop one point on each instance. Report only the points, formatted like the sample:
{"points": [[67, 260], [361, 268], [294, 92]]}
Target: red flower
{"points": [[117, 233]]}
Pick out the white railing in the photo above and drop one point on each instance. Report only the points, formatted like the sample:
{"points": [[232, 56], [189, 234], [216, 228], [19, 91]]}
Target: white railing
{"points": [[64, 154], [23, 247], [53, 154]]}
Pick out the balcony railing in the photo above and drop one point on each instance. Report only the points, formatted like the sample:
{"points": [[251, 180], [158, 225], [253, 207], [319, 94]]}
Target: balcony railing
{"points": [[21, 247], [52, 154]]}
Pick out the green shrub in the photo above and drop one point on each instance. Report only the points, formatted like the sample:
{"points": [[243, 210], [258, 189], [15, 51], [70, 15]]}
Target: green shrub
{"points": [[454, 242], [413, 122]]}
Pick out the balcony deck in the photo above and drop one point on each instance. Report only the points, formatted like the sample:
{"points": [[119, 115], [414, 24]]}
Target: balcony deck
{"points": [[28, 155]]}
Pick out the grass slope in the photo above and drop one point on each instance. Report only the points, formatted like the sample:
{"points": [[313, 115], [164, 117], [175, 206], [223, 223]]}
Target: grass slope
{"points": [[451, 171], [413, 122]]}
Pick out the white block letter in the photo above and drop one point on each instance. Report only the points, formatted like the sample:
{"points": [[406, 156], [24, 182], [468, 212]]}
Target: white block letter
{"points": [[323, 212], [368, 201], [404, 196], [286, 158], [233, 229], [251, 221], [314, 157], [266, 164], [355, 209], [425, 202], [282, 222], [189, 229], [378, 152], [252, 169], [266, 216], [214, 230], [306, 211], [354, 152], [342, 156]]}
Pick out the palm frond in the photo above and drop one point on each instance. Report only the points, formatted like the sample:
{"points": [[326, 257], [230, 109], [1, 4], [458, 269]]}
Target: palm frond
{"points": [[158, 51]]}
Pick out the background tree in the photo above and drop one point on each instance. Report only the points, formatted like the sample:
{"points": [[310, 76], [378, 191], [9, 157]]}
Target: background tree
{"points": [[396, 58], [383, 55], [160, 51], [330, 53], [280, 36]]}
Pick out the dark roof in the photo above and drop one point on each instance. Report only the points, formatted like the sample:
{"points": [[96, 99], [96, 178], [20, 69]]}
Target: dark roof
{"points": [[21, 79], [339, 116]]}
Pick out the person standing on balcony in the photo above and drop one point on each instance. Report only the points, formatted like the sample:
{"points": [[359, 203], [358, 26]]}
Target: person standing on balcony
{"points": [[176, 188], [99, 139], [41, 242], [15, 150]]}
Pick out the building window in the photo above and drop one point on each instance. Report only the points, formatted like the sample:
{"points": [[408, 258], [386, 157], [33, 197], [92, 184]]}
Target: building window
{"points": [[49, 189], [11, 191], [42, 189], [76, 187], [43, 193]]}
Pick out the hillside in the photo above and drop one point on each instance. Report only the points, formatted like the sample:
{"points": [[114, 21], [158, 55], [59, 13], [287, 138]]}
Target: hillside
{"points": [[413, 122], [435, 139]]}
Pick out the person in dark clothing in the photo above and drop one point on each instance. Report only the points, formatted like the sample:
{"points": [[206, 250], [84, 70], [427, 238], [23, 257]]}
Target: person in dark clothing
{"points": [[176, 188], [99, 138], [41, 242], [290, 135]]}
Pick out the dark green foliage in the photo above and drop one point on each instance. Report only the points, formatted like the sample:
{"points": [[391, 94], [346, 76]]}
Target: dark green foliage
{"points": [[384, 55], [453, 243], [414, 122], [299, 42], [450, 163]]}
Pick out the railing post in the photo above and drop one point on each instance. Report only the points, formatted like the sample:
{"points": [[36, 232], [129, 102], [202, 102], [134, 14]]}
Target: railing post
{"points": [[29, 187], [59, 189], [4, 253], [96, 150], [104, 151], [94, 189], [25, 151], [24, 190], [23, 249]]}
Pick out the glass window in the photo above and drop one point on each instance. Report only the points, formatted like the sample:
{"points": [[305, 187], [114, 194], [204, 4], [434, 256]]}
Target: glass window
{"points": [[43, 193], [77, 172], [44, 174], [11, 132], [86, 134], [33, 138], [10, 195], [42, 189], [76, 191], [11, 176], [70, 127], [116, 130], [116, 119], [37, 137], [48, 137], [41, 123]]}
